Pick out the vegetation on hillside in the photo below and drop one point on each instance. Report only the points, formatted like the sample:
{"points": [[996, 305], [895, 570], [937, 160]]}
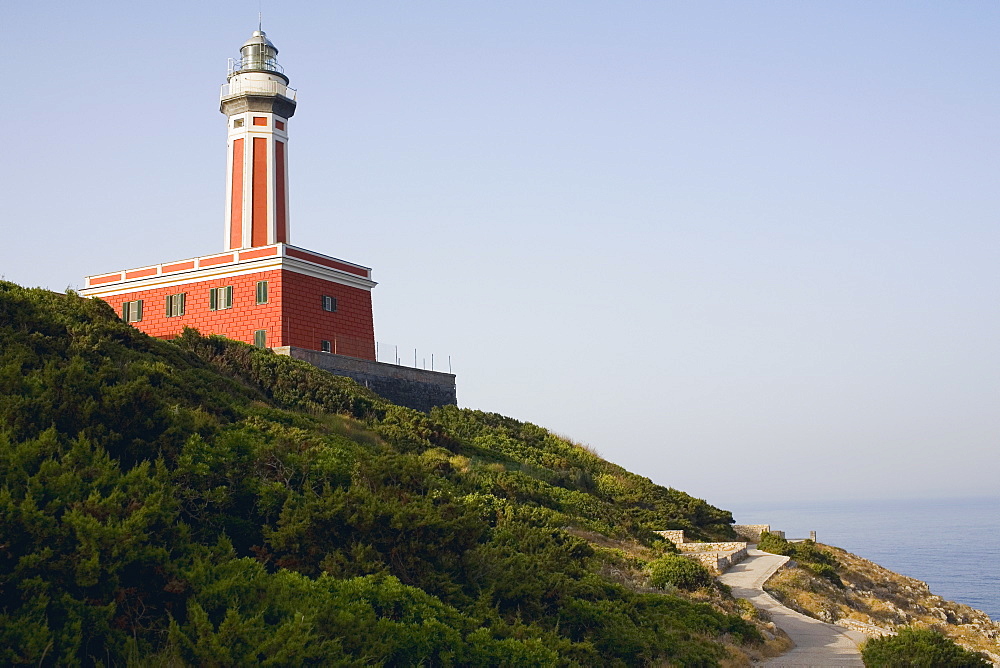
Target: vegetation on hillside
{"points": [[677, 571], [203, 502], [805, 553]]}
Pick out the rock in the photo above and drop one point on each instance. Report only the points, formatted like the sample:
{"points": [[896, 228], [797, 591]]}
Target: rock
{"points": [[828, 616]]}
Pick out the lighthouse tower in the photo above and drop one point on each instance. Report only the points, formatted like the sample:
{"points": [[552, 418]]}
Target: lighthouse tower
{"points": [[258, 103], [260, 289]]}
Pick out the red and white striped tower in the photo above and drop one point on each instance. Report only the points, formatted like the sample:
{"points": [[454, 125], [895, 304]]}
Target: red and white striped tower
{"points": [[258, 103]]}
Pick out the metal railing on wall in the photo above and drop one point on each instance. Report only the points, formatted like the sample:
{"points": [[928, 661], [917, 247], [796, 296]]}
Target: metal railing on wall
{"points": [[390, 353]]}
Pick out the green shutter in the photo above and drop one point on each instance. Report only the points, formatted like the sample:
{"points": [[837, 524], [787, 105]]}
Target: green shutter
{"points": [[138, 314], [213, 300]]}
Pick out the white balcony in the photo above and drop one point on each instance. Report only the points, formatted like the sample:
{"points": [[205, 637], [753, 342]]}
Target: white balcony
{"points": [[240, 86]]}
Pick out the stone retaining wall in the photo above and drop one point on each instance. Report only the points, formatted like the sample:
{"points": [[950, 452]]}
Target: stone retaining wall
{"points": [[716, 557], [869, 630], [718, 563], [675, 536], [734, 558], [752, 532], [712, 547], [414, 388]]}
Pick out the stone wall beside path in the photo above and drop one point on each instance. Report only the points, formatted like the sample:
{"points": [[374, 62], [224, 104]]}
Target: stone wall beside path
{"points": [[716, 557], [752, 532], [718, 563]]}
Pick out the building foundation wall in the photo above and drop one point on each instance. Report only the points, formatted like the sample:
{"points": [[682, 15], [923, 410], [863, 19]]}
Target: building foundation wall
{"points": [[414, 388]]}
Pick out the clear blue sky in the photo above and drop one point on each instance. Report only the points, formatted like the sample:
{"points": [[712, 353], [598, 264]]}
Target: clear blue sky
{"points": [[738, 247]]}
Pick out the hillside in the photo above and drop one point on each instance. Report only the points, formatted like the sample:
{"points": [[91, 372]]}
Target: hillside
{"points": [[202, 502]]}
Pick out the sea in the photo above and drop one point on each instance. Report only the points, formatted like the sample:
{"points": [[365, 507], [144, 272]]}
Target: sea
{"points": [[951, 544]]}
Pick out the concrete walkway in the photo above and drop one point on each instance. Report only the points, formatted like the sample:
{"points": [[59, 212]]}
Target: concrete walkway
{"points": [[816, 643]]}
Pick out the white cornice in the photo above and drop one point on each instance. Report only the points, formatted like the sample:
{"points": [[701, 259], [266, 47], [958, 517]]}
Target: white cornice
{"points": [[326, 273], [233, 269]]}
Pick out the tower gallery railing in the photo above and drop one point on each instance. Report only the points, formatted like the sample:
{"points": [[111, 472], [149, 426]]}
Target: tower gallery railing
{"points": [[255, 62]]}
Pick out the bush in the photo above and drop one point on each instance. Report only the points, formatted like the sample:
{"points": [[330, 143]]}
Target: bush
{"points": [[748, 610], [807, 552], [919, 648], [809, 556], [827, 572], [678, 571], [772, 543]]}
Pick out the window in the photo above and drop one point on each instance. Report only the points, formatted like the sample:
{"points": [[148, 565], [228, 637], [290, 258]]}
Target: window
{"points": [[260, 120], [261, 292], [260, 338], [175, 305], [329, 303], [324, 346], [279, 125], [220, 298], [132, 311], [238, 123]]}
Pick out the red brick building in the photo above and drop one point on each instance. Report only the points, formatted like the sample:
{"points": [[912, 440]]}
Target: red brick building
{"points": [[260, 290], [272, 296]]}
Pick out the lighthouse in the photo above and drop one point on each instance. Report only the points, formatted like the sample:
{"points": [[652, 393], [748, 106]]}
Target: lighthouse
{"points": [[261, 289], [257, 102]]}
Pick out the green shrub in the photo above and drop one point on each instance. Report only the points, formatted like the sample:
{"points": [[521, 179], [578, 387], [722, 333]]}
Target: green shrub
{"points": [[810, 557], [678, 571], [747, 610], [827, 572], [807, 552], [919, 648], [773, 543]]}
